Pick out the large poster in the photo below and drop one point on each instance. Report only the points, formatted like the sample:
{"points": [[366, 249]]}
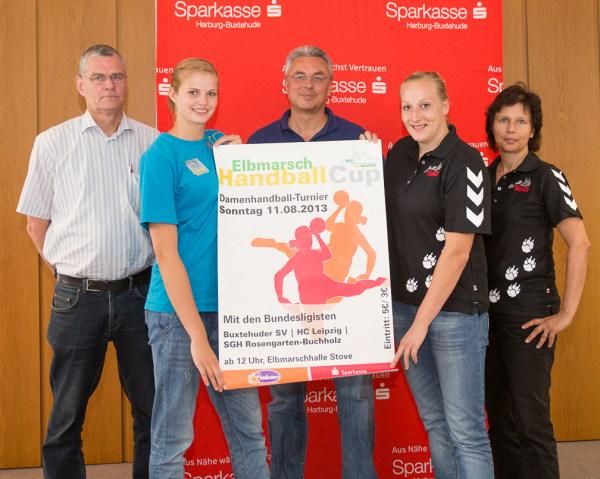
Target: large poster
{"points": [[374, 44], [303, 271]]}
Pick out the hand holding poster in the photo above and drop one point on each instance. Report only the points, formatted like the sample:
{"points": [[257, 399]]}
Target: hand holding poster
{"points": [[303, 264]]}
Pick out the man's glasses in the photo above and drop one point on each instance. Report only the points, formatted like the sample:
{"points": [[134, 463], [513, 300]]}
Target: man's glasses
{"points": [[99, 78], [317, 78]]}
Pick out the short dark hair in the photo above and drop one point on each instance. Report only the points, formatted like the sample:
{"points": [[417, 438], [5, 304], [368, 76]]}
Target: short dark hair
{"points": [[532, 103], [100, 50]]}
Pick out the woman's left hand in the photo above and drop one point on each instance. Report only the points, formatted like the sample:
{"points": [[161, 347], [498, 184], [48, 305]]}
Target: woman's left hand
{"points": [[229, 140], [410, 344], [547, 328]]}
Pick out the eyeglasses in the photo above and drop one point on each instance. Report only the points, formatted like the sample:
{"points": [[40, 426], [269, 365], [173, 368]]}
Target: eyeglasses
{"points": [[317, 78], [99, 78]]}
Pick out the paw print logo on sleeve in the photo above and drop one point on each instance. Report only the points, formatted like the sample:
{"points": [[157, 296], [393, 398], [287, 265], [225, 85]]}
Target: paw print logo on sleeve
{"points": [[428, 281], [411, 285], [513, 290], [494, 295], [527, 245], [440, 234], [429, 261], [511, 273], [529, 263]]}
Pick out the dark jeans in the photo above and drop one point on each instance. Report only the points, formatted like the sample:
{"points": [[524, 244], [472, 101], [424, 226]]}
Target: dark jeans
{"points": [[81, 325], [518, 402]]}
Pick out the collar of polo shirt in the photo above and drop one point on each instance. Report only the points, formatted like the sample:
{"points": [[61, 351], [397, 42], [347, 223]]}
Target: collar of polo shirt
{"points": [[445, 147], [530, 163]]}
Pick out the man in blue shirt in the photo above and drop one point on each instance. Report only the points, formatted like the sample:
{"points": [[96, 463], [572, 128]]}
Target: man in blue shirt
{"points": [[308, 75]]}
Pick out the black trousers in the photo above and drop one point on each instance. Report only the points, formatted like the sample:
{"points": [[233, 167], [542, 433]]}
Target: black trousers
{"points": [[518, 402]]}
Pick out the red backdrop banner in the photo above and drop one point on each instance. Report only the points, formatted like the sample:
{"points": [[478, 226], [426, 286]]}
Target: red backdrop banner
{"points": [[373, 44]]}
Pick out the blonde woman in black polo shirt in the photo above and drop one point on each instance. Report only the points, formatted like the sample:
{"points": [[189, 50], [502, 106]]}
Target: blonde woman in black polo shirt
{"points": [[530, 199], [438, 204]]}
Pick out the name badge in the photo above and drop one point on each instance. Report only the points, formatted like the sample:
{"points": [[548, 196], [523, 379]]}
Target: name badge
{"points": [[196, 167]]}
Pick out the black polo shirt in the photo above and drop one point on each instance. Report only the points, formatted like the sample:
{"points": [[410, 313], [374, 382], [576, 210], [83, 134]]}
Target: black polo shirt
{"points": [[527, 204], [448, 189]]}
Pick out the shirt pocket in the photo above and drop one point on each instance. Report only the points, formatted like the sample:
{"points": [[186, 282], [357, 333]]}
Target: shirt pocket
{"points": [[133, 190]]}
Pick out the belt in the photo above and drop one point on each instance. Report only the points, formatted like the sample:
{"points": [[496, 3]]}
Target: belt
{"points": [[114, 286]]}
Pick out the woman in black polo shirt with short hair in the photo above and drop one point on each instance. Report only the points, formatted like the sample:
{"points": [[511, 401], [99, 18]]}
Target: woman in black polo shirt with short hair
{"points": [[530, 199], [438, 205]]}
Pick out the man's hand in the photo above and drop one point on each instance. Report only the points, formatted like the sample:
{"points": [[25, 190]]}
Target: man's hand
{"points": [[369, 136]]}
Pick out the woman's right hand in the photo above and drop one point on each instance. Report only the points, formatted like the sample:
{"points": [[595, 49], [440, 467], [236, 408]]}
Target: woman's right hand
{"points": [[410, 344], [207, 363]]}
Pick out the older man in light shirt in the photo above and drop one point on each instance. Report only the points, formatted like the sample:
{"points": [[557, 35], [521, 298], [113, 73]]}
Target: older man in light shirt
{"points": [[81, 198]]}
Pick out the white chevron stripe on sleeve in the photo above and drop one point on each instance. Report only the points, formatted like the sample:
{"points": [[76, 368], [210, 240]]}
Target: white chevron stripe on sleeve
{"points": [[558, 174], [473, 218], [571, 202], [476, 198], [565, 189], [476, 179]]}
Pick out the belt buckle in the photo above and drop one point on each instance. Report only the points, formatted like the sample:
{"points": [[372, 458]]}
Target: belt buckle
{"points": [[86, 286]]}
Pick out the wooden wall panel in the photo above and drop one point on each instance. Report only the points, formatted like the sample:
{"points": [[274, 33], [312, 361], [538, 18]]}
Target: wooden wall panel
{"points": [[136, 42], [515, 41], [65, 29], [563, 53], [19, 294]]}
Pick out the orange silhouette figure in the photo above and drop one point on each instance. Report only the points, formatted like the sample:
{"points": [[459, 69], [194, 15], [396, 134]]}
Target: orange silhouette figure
{"points": [[314, 286], [346, 238]]}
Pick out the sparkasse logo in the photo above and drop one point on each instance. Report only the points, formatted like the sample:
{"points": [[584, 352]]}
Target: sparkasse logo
{"points": [[479, 11], [214, 10], [194, 10], [379, 87], [401, 12], [164, 86], [274, 10], [424, 12]]}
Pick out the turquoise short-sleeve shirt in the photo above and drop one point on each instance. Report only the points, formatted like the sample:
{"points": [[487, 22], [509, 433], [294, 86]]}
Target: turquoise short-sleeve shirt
{"points": [[179, 186]]}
